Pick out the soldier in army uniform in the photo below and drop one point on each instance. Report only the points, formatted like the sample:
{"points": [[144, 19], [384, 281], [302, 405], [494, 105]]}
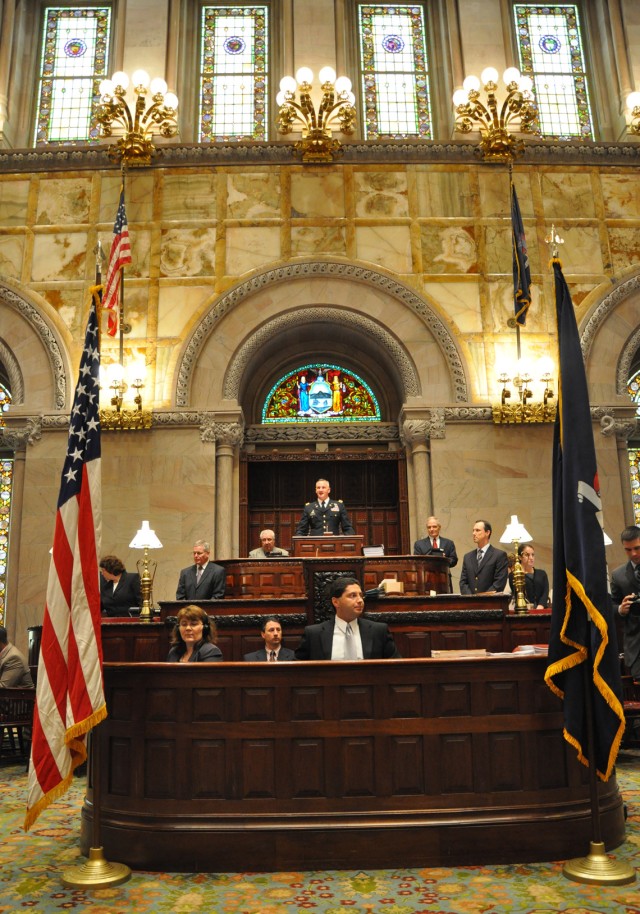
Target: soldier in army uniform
{"points": [[324, 515]]}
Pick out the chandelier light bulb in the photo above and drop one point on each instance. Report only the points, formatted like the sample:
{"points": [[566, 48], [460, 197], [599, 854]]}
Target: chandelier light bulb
{"points": [[106, 87], [171, 100], [351, 98], [280, 98], [633, 100], [141, 79], [158, 86], [304, 75], [288, 84], [511, 75], [471, 84], [489, 75], [460, 97], [525, 84], [327, 75], [120, 80], [343, 85]]}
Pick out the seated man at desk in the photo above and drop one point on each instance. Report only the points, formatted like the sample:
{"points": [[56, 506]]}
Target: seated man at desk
{"points": [[434, 543], [204, 580], [347, 636], [324, 515], [273, 651], [268, 548], [485, 568]]}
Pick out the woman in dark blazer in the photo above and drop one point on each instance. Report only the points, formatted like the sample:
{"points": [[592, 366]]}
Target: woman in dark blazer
{"points": [[193, 637], [119, 588], [536, 582]]}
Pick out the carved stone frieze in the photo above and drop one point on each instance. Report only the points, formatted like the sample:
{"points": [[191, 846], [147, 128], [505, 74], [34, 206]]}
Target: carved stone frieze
{"points": [[96, 158], [414, 431], [624, 427], [18, 437], [468, 414], [604, 309], [356, 431], [49, 341], [345, 270]]}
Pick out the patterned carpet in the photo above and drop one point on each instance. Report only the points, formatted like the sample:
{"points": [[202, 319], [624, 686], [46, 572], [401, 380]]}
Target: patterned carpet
{"points": [[31, 867]]}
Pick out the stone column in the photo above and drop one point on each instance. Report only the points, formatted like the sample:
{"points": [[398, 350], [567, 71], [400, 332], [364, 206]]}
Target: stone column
{"points": [[228, 437], [7, 17], [17, 438], [415, 437], [623, 431]]}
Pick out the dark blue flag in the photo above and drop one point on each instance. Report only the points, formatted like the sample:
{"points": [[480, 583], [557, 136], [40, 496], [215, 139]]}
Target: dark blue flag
{"points": [[521, 271], [583, 637]]}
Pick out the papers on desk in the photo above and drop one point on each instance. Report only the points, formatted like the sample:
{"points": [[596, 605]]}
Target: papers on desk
{"points": [[369, 551]]}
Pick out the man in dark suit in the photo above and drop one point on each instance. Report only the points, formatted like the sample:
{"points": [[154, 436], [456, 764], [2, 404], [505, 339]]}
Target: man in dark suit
{"points": [[203, 580], [436, 543], [119, 588], [347, 636], [484, 569], [273, 651], [324, 515], [625, 586]]}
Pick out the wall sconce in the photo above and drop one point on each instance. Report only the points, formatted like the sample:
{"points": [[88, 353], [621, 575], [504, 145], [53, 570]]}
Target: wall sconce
{"points": [[146, 539], [524, 410], [497, 144], [119, 418], [336, 110], [135, 146], [633, 105], [516, 533]]}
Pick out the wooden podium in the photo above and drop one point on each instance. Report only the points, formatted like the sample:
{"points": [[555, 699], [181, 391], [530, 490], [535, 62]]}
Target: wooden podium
{"points": [[318, 547]]}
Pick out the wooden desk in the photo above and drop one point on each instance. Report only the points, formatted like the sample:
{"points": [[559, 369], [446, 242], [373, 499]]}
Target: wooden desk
{"points": [[316, 547], [377, 764]]}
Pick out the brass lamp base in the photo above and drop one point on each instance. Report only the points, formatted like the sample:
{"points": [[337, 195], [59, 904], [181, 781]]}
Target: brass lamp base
{"points": [[96, 872], [598, 869]]}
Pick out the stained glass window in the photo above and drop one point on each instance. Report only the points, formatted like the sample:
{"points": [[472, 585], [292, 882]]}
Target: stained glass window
{"points": [[395, 77], [5, 401], [74, 60], [321, 393], [634, 452], [6, 479], [233, 73], [551, 53]]}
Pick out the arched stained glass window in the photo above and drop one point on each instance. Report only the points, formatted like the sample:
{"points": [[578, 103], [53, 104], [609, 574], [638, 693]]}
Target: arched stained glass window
{"points": [[634, 452], [321, 393], [5, 402]]}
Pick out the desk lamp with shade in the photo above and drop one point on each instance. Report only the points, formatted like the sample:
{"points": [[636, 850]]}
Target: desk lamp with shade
{"points": [[146, 539], [516, 533]]}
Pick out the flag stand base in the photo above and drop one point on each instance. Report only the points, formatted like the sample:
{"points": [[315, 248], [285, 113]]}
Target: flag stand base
{"points": [[598, 869], [96, 872]]}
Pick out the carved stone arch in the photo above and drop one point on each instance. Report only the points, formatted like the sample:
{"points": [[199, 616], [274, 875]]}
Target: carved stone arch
{"points": [[622, 341], [377, 280], [22, 361], [16, 381], [239, 364]]}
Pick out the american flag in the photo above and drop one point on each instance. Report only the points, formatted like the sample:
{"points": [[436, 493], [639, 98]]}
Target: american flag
{"points": [[69, 693], [119, 256]]}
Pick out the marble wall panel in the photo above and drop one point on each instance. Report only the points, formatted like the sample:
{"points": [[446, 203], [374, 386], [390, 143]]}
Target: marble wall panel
{"points": [[495, 194], [498, 245], [449, 248], [64, 201], [444, 193], [189, 196], [71, 302], [251, 247], [140, 241], [188, 252], [253, 196], [59, 256], [387, 246], [310, 240], [581, 251], [624, 245], [502, 307], [13, 202], [458, 302], [621, 195], [11, 255], [139, 197], [567, 195], [381, 194], [179, 306], [316, 193]]}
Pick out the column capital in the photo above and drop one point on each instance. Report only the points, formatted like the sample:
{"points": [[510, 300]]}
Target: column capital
{"points": [[17, 437]]}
